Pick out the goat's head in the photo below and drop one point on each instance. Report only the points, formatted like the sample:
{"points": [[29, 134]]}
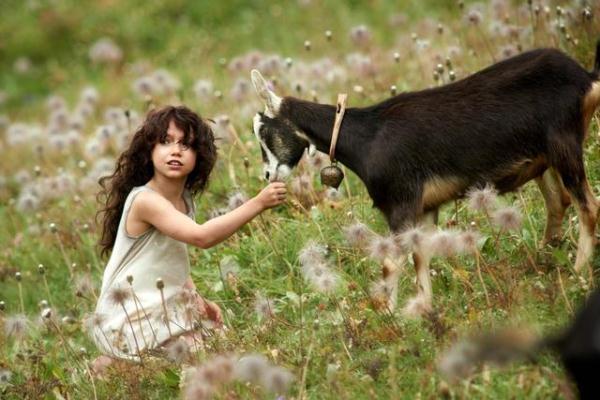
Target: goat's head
{"points": [[281, 143]]}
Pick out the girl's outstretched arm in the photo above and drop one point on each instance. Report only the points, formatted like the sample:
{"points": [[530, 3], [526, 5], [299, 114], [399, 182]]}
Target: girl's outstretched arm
{"points": [[154, 209]]}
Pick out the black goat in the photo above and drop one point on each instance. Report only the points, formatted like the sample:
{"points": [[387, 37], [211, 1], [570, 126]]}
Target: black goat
{"points": [[520, 119], [578, 347]]}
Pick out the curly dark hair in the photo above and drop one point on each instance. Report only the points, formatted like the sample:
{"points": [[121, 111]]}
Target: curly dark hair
{"points": [[134, 166]]}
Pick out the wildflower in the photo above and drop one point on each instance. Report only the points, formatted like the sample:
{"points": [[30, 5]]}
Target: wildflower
{"points": [[203, 88], [55, 103], [251, 368], [144, 86], [333, 194], [222, 128], [119, 295], [412, 239], [474, 17], [358, 234], [264, 307], [382, 247], [301, 184], [236, 200], [240, 89], [46, 313], [5, 376], [167, 82], [458, 361], [178, 350], [312, 253], [89, 95], [215, 372], [326, 283], [84, 285], [444, 243], [508, 219], [22, 65], [360, 35], [328, 35], [229, 267], [197, 390], [2, 305], [160, 284], [307, 45], [416, 306], [28, 202], [16, 326], [483, 199], [93, 320], [467, 241], [277, 380], [381, 291], [106, 51]]}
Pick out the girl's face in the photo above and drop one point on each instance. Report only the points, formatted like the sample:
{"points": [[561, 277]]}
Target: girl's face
{"points": [[172, 158]]}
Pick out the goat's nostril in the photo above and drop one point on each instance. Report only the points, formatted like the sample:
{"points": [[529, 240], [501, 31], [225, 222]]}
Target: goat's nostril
{"points": [[267, 175]]}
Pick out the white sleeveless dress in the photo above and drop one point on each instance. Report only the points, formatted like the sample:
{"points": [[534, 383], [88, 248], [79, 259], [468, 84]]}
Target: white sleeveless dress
{"points": [[146, 258]]}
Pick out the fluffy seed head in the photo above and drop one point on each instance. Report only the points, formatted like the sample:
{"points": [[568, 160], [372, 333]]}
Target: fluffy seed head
{"points": [[508, 219], [358, 234], [251, 368], [5, 376], [483, 199], [264, 307], [312, 253], [16, 326], [178, 350], [119, 295], [160, 284], [381, 247], [325, 283], [277, 380], [444, 243]]}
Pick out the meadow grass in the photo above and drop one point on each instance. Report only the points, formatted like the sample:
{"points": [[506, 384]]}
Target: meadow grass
{"points": [[338, 344]]}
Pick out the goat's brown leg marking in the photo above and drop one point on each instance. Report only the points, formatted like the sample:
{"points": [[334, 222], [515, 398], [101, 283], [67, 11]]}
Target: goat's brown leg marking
{"points": [[391, 274], [587, 210], [557, 200], [590, 103], [423, 277], [568, 160]]}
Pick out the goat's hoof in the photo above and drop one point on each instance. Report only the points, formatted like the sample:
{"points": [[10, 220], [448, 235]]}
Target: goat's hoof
{"points": [[417, 307]]}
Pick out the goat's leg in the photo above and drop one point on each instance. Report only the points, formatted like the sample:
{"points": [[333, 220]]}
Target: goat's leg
{"points": [[402, 217], [430, 218], [569, 160], [391, 273], [587, 211], [557, 200]]}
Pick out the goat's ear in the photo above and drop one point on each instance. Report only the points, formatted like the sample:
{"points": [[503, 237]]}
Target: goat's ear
{"points": [[271, 100], [312, 150]]}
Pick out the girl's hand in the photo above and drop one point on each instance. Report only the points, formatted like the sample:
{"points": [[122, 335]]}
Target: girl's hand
{"points": [[213, 312], [272, 195]]}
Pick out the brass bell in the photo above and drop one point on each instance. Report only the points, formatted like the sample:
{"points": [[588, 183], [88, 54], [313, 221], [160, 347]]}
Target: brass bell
{"points": [[332, 176]]}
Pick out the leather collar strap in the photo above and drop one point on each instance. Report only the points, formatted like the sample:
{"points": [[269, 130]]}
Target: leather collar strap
{"points": [[339, 114]]}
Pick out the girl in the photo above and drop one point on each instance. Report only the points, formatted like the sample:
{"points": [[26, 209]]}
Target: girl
{"points": [[147, 295]]}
